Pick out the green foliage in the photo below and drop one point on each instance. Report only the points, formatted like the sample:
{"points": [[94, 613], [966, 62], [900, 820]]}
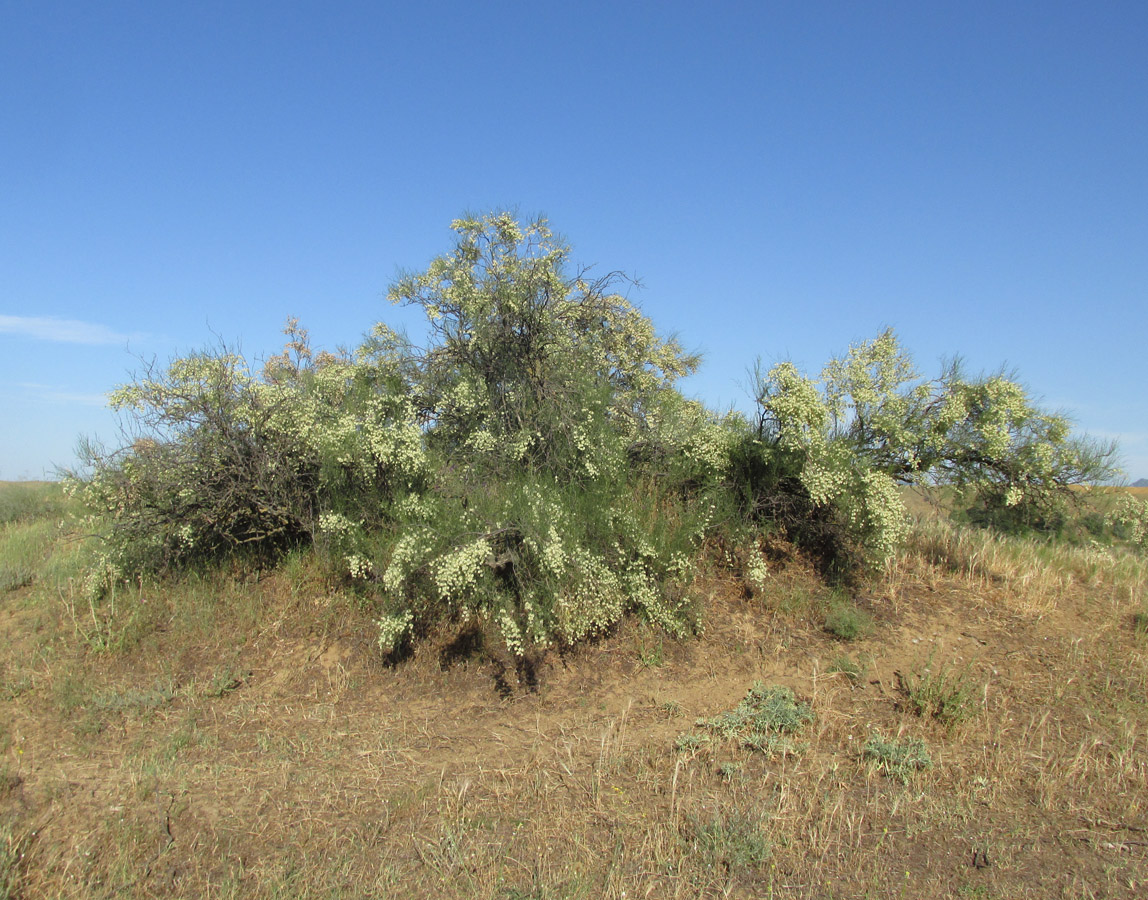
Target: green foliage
{"points": [[839, 445], [763, 719], [846, 621], [941, 692], [532, 473], [729, 839], [897, 759]]}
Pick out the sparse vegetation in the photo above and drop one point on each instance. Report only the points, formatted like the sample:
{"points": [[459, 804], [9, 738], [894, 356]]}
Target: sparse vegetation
{"points": [[846, 621], [940, 691], [730, 840], [763, 720], [847, 666], [898, 759]]}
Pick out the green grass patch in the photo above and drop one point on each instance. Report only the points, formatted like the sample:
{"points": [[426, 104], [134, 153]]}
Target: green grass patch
{"points": [[847, 622], [942, 692], [731, 840], [897, 759], [847, 666], [763, 720], [26, 501]]}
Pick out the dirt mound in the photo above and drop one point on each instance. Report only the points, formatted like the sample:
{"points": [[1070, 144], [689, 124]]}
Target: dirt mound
{"points": [[249, 741]]}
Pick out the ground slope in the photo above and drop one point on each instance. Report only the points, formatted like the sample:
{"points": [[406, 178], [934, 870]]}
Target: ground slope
{"points": [[242, 738]]}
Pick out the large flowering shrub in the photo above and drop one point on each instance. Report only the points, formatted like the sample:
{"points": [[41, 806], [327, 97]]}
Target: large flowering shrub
{"points": [[550, 414], [532, 471], [841, 444], [223, 459]]}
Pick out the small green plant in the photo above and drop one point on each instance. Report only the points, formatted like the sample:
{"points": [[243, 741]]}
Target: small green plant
{"points": [[897, 759], [728, 770], [652, 656], [135, 699], [847, 622], [766, 708], [687, 742], [672, 708], [763, 720], [1140, 622], [845, 665], [731, 840], [941, 692], [224, 681], [10, 853]]}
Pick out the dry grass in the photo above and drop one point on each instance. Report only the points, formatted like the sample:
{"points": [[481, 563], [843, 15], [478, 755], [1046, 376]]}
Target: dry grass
{"points": [[241, 739]]}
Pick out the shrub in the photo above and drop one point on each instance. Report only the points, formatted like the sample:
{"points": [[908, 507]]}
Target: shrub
{"points": [[837, 447], [223, 460]]}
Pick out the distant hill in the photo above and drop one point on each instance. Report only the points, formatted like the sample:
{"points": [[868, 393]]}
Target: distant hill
{"points": [[1143, 482]]}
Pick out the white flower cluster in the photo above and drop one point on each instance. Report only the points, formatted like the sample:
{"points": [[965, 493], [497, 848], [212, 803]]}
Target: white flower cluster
{"points": [[876, 514], [592, 601], [359, 567], [408, 553], [185, 536], [795, 404], [456, 574], [100, 577], [645, 593], [482, 441], [511, 633], [336, 525], [756, 570], [1132, 516], [392, 630], [825, 478]]}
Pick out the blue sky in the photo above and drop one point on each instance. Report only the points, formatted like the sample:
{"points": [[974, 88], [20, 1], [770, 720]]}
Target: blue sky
{"points": [[784, 178]]}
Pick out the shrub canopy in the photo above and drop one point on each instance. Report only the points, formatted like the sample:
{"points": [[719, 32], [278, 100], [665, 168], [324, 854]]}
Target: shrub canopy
{"points": [[533, 471]]}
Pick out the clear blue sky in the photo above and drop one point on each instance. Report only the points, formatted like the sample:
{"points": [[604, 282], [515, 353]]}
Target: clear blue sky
{"points": [[784, 178]]}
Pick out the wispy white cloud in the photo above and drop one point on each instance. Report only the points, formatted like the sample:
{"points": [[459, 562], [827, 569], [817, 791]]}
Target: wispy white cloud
{"points": [[45, 393], [70, 331]]}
